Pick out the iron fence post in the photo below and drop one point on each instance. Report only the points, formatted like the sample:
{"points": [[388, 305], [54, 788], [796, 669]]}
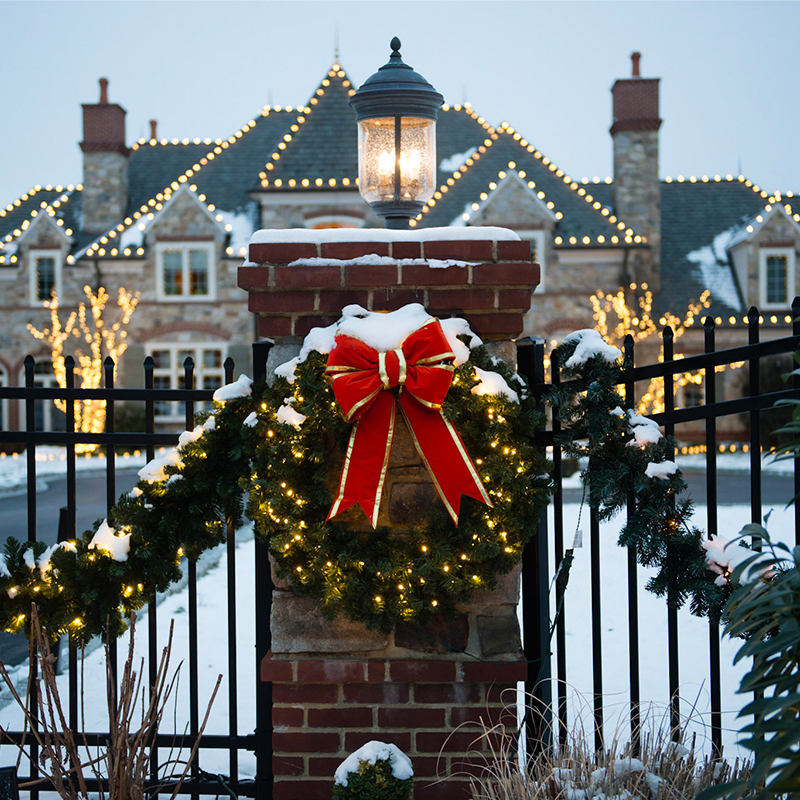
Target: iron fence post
{"points": [[536, 583], [263, 600]]}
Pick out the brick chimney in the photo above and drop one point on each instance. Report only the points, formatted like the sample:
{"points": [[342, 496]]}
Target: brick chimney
{"points": [[105, 164], [637, 193]]}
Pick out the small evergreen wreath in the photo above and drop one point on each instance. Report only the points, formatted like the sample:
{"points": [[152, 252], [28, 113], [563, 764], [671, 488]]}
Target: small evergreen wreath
{"points": [[279, 444]]}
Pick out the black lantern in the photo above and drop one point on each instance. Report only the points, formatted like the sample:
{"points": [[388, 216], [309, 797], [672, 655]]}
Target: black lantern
{"points": [[396, 112]]}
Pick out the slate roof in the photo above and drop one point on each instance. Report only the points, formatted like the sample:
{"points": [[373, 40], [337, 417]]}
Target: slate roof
{"points": [[692, 215], [578, 207], [319, 140]]}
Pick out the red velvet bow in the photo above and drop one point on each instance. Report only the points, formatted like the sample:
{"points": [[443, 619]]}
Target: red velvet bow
{"points": [[363, 382]]}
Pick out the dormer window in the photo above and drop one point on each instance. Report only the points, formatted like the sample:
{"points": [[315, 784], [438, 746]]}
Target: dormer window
{"points": [[45, 275], [186, 271], [776, 268]]}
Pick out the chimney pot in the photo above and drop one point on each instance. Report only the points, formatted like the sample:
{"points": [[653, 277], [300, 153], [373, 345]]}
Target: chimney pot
{"points": [[635, 57], [153, 124], [103, 91]]}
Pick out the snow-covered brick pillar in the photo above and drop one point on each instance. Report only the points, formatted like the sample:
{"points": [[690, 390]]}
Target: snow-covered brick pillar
{"points": [[301, 279], [337, 685]]}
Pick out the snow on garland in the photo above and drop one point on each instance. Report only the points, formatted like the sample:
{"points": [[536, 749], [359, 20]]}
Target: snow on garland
{"points": [[277, 444], [627, 455]]}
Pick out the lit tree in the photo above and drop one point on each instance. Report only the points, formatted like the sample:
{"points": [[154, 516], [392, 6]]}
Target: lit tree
{"points": [[100, 340], [615, 319]]}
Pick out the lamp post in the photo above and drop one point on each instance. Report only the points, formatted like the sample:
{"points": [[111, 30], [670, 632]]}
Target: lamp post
{"points": [[396, 111]]}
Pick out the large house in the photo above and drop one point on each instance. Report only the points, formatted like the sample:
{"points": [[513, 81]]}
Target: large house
{"points": [[172, 219]]}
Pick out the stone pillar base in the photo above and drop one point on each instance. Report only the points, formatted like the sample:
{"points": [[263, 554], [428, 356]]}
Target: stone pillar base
{"points": [[435, 710]]}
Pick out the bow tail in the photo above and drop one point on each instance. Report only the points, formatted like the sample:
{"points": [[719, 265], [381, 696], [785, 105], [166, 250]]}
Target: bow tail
{"points": [[443, 453], [364, 471]]}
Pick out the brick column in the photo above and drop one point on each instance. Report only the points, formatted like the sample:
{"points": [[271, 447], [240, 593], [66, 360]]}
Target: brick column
{"points": [[435, 711], [337, 685]]}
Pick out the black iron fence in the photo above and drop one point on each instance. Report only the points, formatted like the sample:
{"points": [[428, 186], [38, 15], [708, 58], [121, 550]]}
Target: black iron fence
{"points": [[550, 648], [545, 632], [252, 740]]}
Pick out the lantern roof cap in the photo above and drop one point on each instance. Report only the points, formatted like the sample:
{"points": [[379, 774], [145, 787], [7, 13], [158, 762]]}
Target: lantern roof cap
{"points": [[396, 89]]}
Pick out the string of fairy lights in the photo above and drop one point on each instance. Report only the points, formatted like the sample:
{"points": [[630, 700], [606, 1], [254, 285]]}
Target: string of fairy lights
{"points": [[108, 245], [622, 231], [306, 182]]}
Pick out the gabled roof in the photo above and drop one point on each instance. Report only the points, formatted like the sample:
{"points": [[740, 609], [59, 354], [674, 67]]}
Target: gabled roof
{"points": [[18, 216], [582, 211], [319, 149], [698, 218]]}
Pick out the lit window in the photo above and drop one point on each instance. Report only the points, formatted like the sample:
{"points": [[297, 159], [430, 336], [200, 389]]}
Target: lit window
{"points": [[776, 267], [334, 221], [169, 372], [45, 275], [186, 271]]}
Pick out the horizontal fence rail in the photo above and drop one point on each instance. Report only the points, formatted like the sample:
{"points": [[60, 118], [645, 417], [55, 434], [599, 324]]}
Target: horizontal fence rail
{"points": [[674, 419]]}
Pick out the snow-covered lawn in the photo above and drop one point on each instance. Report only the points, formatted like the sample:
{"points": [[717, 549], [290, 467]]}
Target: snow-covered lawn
{"points": [[212, 593]]}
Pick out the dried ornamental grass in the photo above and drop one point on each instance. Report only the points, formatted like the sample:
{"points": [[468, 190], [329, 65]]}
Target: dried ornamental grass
{"points": [[135, 712], [662, 770]]}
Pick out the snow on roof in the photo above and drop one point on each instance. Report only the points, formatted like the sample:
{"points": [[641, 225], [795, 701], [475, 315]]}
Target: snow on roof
{"points": [[715, 272], [453, 162]]}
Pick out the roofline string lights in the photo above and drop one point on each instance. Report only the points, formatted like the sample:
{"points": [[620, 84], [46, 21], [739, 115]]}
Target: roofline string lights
{"points": [[156, 203], [44, 208], [626, 234], [305, 182], [468, 162]]}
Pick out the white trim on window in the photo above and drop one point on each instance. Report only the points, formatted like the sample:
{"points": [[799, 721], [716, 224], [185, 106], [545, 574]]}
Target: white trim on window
{"points": [[537, 237], [209, 372], [769, 259], [53, 260], [183, 288]]}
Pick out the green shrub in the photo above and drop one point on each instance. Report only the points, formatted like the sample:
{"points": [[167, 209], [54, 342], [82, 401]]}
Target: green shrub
{"points": [[376, 771]]}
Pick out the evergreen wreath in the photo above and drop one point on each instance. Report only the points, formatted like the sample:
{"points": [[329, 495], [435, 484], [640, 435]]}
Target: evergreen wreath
{"points": [[277, 443], [627, 457], [377, 577]]}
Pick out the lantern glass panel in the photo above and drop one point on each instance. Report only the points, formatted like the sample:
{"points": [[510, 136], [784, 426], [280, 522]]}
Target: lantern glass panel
{"points": [[376, 139]]}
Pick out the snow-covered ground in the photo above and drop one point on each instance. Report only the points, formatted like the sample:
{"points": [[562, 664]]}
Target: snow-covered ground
{"points": [[212, 593], [52, 461]]}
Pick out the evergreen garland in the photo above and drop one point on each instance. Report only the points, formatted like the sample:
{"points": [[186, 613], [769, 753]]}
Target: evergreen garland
{"points": [[598, 428], [290, 476], [86, 591]]}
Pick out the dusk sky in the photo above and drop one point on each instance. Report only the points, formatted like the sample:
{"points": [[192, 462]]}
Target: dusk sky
{"points": [[728, 70]]}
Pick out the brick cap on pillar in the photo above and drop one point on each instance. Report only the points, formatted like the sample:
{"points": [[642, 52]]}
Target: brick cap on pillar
{"points": [[301, 279], [329, 670]]}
